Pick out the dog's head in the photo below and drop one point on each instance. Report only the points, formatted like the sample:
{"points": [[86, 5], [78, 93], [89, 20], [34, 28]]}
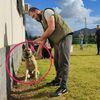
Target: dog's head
{"points": [[27, 52]]}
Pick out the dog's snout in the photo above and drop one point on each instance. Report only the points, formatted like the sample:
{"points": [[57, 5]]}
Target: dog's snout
{"points": [[27, 53]]}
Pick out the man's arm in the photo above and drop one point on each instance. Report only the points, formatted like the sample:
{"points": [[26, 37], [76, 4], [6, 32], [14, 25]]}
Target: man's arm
{"points": [[46, 34], [49, 30], [96, 34]]}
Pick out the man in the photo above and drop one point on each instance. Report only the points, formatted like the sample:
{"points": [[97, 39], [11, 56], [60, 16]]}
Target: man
{"points": [[81, 37], [98, 39], [60, 37]]}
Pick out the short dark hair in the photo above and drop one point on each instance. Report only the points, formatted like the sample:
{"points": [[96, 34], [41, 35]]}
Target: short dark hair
{"points": [[32, 9]]}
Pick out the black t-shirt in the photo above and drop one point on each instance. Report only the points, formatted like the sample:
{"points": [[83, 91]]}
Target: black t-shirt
{"points": [[98, 34]]}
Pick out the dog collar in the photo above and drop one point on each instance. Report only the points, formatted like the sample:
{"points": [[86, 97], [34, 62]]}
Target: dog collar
{"points": [[28, 57]]}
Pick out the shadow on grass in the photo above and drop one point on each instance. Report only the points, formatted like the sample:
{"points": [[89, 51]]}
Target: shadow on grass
{"points": [[84, 55], [44, 94], [21, 78], [39, 95], [36, 96], [29, 90]]}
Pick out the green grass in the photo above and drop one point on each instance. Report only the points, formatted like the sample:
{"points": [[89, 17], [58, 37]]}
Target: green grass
{"points": [[83, 83]]}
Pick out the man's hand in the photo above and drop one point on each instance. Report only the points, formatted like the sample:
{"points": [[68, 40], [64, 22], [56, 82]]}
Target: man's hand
{"points": [[39, 51], [37, 41]]}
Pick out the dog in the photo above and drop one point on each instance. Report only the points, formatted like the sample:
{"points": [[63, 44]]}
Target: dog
{"points": [[30, 61]]}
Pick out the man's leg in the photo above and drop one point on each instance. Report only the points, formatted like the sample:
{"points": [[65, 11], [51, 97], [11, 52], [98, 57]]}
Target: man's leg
{"points": [[56, 81], [97, 47], [56, 62], [64, 49]]}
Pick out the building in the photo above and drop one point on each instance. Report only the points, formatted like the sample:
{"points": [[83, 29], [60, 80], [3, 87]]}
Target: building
{"points": [[12, 32]]}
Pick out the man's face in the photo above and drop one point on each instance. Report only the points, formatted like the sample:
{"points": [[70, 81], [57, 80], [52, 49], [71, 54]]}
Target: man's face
{"points": [[35, 15]]}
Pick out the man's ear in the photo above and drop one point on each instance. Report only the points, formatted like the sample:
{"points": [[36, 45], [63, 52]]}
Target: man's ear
{"points": [[23, 46]]}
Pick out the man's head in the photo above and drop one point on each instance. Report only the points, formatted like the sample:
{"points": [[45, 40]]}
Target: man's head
{"points": [[35, 13], [98, 27]]}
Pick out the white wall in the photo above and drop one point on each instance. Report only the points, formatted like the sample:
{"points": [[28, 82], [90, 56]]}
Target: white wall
{"points": [[12, 22]]}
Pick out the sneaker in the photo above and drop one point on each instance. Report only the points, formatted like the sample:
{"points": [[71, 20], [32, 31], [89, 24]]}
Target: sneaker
{"points": [[60, 91], [54, 83], [97, 54]]}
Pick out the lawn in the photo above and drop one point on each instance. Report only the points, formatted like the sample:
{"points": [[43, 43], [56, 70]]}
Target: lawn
{"points": [[83, 83]]}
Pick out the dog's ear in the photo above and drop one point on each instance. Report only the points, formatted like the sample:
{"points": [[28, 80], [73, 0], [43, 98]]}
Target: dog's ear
{"points": [[23, 46], [29, 45]]}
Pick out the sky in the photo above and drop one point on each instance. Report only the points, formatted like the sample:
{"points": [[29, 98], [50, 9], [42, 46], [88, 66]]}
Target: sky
{"points": [[74, 13]]}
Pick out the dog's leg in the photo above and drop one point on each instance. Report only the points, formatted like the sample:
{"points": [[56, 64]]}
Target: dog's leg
{"points": [[36, 68], [36, 77], [36, 73], [27, 72], [28, 75]]}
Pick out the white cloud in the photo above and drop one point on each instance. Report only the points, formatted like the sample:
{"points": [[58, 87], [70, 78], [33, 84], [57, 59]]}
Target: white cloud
{"points": [[73, 9], [93, 20], [96, 20], [32, 26], [75, 12], [58, 10]]}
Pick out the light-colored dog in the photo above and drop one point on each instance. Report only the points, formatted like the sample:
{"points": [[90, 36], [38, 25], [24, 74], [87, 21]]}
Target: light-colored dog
{"points": [[31, 64]]}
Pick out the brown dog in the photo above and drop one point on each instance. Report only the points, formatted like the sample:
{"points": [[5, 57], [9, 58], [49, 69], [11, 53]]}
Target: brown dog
{"points": [[31, 64]]}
